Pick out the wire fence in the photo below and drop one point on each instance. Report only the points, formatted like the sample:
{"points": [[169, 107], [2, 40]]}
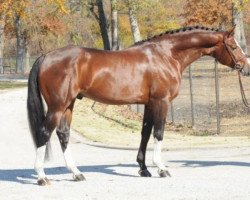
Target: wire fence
{"points": [[8, 64], [210, 99]]}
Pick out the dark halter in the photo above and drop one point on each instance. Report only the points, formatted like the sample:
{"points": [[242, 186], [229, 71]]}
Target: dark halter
{"points": [[238, 68]]}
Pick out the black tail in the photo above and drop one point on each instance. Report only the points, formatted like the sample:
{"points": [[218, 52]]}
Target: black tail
{"points": [[35, 107]]}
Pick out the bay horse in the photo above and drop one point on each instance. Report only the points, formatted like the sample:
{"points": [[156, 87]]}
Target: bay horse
{"points": [[148, 72]]}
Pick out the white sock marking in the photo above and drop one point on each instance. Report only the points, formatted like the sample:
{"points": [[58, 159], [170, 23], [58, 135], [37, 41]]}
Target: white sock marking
{"points": [[69, 162], [40, 154], [157, 155]]}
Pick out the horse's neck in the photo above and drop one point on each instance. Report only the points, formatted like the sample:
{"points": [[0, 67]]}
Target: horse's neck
{"points": [[190, 47]]}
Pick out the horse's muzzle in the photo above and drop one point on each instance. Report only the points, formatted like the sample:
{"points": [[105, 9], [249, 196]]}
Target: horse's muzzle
{"points": [[245, 71]]}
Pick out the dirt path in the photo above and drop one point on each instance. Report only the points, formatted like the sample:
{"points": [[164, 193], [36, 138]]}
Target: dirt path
{"points": [[217, 173]]}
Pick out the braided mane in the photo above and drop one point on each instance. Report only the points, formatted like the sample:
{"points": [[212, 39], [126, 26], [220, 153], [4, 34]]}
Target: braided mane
{"points": [[180, 30]]}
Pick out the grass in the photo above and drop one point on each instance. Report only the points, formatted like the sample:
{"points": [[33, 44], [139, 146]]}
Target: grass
{"points": [[118, 126], [4, 85], [105, 123]]}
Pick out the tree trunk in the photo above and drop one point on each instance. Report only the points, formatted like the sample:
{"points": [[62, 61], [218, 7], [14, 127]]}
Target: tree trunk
{"points": [[21, 46], [27, 62], [133, 21], [103, 25], [2, 23], [239, 29], [114, 25]]}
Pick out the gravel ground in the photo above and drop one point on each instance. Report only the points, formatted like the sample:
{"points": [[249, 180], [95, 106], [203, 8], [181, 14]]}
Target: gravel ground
{"points": [[217, 173]]}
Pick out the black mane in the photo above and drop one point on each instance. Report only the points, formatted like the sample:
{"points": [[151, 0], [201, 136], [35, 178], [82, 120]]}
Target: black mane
{"points": [[180, 30]]}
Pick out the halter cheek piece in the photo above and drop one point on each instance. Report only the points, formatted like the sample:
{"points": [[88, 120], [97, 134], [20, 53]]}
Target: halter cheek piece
{"points": [[237, 66]]}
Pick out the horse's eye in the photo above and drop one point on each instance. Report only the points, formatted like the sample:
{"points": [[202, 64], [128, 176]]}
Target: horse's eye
{"points": [[233, 47], [231, 44]]}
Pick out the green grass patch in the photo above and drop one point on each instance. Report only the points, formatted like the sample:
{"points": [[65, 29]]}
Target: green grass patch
{"points": [[106, 123], [119, 126], [11, 85]]}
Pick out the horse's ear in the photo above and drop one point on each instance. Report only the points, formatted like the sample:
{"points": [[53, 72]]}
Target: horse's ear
{"points": [[230, 32]]}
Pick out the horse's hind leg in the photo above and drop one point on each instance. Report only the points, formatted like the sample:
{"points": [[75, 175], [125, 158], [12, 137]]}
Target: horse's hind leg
{"points": [[145, 135], [40, 154], [63, 133], [50, 122]]}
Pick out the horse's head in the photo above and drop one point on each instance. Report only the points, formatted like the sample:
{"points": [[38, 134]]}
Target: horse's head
{"points": [[230, 53]]}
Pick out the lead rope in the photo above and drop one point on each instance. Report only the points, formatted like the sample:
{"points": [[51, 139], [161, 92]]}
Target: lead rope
{"points": [[243, 95]]}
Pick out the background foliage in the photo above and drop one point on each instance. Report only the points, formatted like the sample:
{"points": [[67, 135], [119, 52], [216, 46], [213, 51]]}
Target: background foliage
{"points": [[49, 24]]}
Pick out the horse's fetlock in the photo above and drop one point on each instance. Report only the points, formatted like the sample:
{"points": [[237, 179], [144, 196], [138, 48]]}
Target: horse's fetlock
{"points": [[140, 157]]}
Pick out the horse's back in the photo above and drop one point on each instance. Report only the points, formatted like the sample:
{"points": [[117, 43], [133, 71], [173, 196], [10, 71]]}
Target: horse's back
{"points": [[114, 77]]}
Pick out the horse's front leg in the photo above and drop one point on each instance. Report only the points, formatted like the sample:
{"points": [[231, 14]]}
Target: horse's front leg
{"points": [[145, 135], [160, 112]]}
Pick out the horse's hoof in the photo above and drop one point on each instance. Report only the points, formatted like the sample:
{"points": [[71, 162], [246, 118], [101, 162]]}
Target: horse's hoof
{"points": [[79, 177], [163, 173], [43, 181], [144, 173]]}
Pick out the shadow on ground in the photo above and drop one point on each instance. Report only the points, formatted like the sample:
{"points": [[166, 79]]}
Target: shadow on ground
{"points": [[197, 163], [27, 176]]}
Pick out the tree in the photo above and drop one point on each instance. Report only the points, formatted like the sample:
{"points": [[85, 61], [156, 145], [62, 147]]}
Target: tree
{"points": [[219, 15], [2, 24], [21, 47], [15, 21], [45, 26], [237, 7], [133, 20], [114, 25], [102, 20], [4, 10], [222, 14], [60, 4], [13, 11], [152, 17]]}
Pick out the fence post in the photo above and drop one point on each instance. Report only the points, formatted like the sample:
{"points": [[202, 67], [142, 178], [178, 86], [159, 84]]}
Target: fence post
{"points": [[172, 111], [1, 65], [217, 95], [191, 94]]}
